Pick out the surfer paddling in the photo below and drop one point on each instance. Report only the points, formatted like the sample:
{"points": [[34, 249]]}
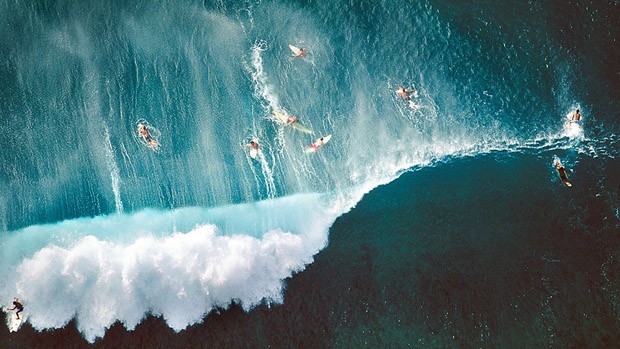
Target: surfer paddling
{"points": [[17, 306], [314, 147], [291, 120], [253, 144], [143, 130], [254, 152], [562, 171], [405, 93], [298, 52]]}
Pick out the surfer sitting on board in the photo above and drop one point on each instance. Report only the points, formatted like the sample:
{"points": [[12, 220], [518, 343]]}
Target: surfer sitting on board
{"points": [[253, 145], [144, 132], [17, 305], [576, 118], [562, 171], [405, 93]]}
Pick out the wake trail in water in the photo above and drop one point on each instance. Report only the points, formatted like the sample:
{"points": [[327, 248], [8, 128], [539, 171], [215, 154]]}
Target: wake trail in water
{"points": [[114, 172], [263, 90]]}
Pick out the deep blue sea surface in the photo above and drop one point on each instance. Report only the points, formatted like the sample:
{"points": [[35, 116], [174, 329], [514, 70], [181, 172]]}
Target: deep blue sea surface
{"points": [[442, 224]]}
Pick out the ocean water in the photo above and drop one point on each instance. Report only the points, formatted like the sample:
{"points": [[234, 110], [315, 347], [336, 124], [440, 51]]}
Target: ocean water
{"points": [[444, 225]]}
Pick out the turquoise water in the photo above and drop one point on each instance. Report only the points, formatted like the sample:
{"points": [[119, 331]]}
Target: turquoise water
{"points": [[440, 226]]}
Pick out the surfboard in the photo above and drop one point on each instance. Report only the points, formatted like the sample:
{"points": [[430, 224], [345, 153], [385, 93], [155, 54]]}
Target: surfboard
{"points": [[296, 50], [253, 153], [573, 128], [284, 118], [317, 144], [12, 322]]}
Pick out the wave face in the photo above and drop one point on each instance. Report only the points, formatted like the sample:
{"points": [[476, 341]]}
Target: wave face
{"points": [[118, 231]]}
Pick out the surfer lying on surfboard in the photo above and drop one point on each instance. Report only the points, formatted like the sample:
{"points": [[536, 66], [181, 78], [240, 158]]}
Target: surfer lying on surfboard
{"points": [[17, 306], [253, 144], [562, 171], [291, 120], [143, 130], [298, 52], [314, 147], [405, 93], [253, 148]]}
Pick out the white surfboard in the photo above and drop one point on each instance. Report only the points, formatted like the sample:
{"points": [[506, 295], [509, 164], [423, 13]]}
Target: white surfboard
{"points": [[296, 50], [12, 322], [253, 153], [573, 129], [317, 144]]}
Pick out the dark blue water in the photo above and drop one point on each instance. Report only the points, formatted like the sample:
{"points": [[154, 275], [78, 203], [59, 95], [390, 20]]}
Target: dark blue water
{"points": [[443, 226]]}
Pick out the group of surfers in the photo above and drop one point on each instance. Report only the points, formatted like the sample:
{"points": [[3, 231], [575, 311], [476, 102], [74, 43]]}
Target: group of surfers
{"points": [[403, 92], [562, 171], [143, 131], [301, 53]]}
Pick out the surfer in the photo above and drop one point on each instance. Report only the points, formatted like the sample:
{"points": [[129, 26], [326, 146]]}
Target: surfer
{"points": [[253, 144], [301, 53], [562, 171], [319, 143], [291, 120], [576, 118], [150, 141], [405, 93], [17, 306]]}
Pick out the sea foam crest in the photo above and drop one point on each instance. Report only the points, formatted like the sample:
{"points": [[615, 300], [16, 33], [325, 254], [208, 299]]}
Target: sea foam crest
{"points": [[99, 280]]}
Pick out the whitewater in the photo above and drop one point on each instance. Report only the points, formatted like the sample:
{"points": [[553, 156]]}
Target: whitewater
{"points": [[99, 228]]}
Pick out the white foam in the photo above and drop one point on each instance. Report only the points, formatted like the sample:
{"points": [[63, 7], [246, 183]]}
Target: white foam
{"points": [[114, 172], [263, 89], [106, 277], [573, 130]]}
